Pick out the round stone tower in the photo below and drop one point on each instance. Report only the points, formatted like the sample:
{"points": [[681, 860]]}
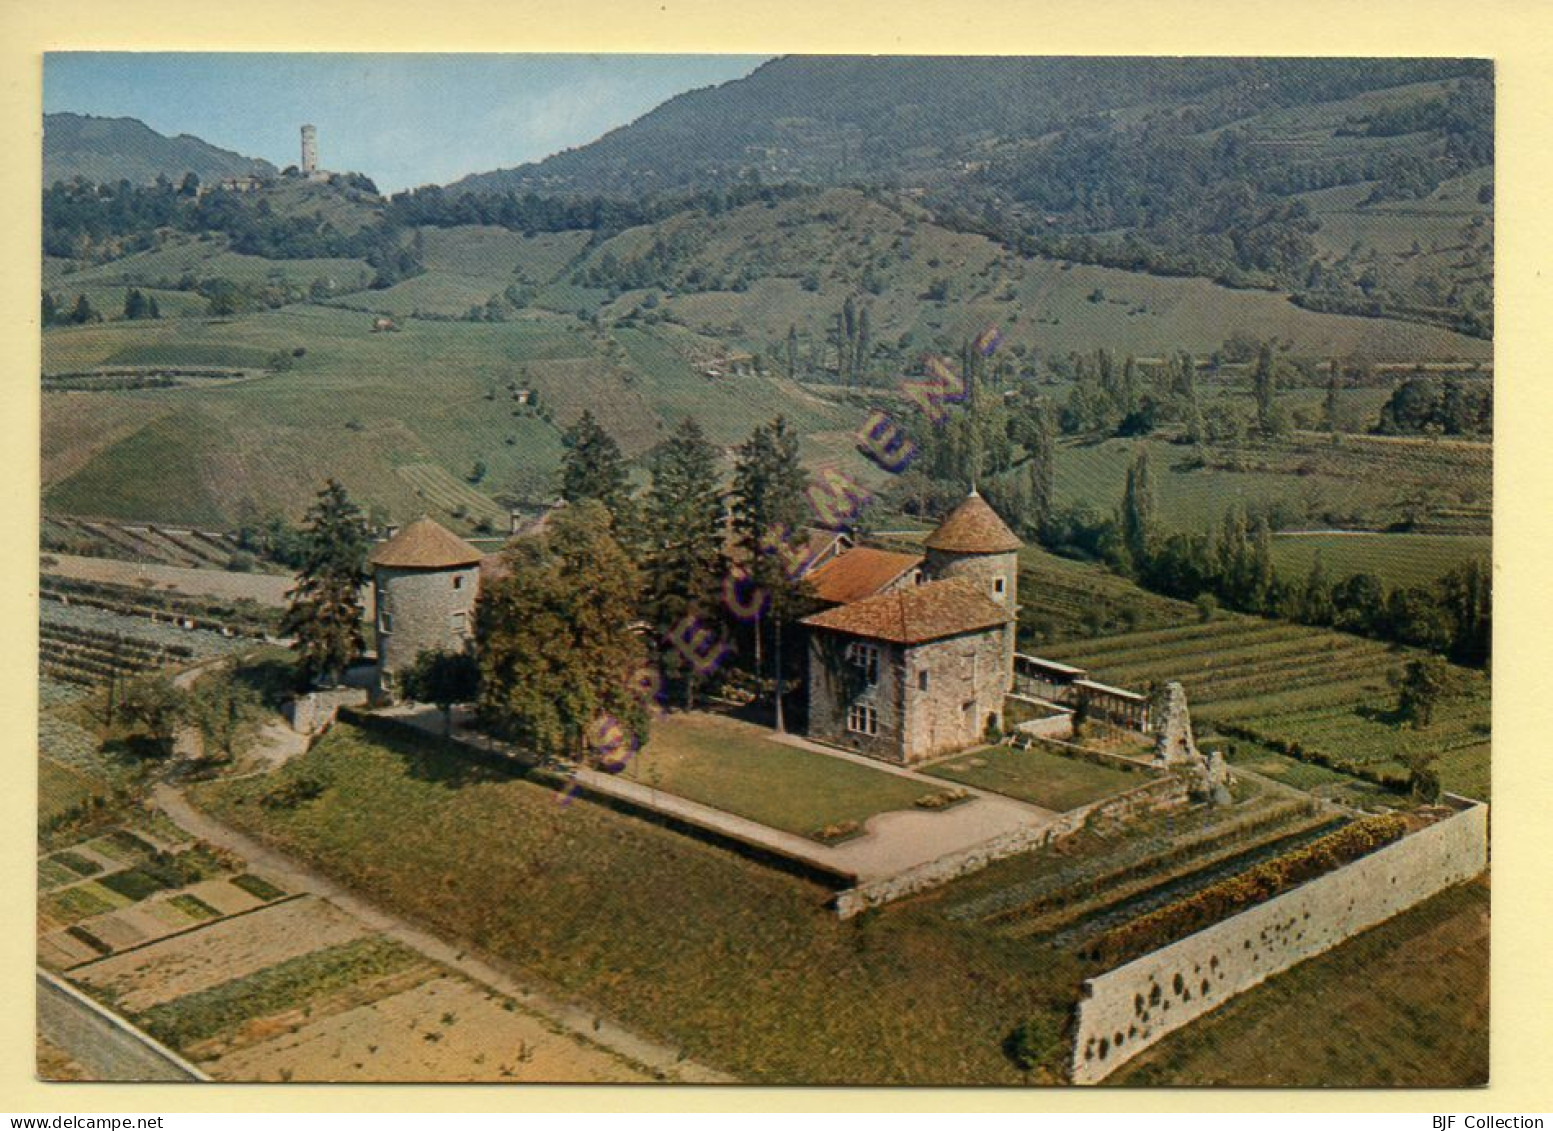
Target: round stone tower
{"points": [[425, 581], [974, 542]]}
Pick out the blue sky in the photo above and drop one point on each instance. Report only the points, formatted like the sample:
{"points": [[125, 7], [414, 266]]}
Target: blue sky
{"points": [[404, 120]]}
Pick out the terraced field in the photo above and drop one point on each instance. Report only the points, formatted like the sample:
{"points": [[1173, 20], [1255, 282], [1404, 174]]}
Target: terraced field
{"points": [[1326, 691], [442, 490]]}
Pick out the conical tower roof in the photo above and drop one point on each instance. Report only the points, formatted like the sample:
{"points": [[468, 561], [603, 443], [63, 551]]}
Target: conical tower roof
{"points": [[424, 544], [973, 527]]}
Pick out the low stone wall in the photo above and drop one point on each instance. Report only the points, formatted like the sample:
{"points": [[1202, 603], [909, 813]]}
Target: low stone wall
{"points": [[315, 711], [1162, 793], [1057, 725], [1128, 1009]]}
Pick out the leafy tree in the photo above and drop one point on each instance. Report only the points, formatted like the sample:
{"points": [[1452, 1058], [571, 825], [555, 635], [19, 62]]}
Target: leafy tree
{"points": [[684, 531], [222, 710], [444, 678], [51, 312], [1314, 603], [1359, 604], [1414, 616], [593, 468], [325, 611], [1423, 773], [1467, 599], [154, 703], [134, 305], [1424, 683], [558, 650]]}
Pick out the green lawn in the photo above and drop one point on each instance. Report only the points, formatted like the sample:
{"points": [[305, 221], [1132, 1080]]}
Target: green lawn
{"points": [[740, 965], [1049, 780], [734, 766]]}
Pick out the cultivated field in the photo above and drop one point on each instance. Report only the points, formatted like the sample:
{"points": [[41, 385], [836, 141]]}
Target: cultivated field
{"points": [[359, 405], [1397, 559], [1326, 691]]}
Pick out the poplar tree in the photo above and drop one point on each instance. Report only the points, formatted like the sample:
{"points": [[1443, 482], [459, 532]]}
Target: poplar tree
{"points": [[1264, 389], [325, 612], [1137, 519]]}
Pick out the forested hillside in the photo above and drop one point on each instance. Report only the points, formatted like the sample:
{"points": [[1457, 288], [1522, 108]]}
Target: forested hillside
{"points": [[113, 149], [1221, 168]]}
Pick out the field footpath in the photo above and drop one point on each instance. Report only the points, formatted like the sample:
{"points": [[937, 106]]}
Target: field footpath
{"points": [[298, 877]]}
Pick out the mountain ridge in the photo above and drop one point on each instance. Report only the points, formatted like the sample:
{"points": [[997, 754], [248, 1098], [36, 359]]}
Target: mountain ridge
{"points": [[108, 150]]}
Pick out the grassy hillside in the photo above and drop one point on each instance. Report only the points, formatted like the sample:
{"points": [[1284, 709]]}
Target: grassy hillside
{"points": [[752, 273]]}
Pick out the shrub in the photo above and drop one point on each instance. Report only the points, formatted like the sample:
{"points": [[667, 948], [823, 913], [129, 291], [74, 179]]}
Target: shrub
{"points": [[294, 793], [837, 832], [942, 799], [1038, 1045]]}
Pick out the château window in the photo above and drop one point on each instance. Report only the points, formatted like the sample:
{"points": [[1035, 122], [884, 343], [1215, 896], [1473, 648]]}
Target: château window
{"points": [[922, 681], [385, 623], [862, 719], [460, 623], [866, 657], [998, 586], [458, 581]]}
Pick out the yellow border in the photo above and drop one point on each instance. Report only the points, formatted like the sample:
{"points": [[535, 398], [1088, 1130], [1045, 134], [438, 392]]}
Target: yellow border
{"points": [[1514, 34]]}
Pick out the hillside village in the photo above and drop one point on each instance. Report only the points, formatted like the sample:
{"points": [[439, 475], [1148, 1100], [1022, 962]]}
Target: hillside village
{"points": [[511, 637]]}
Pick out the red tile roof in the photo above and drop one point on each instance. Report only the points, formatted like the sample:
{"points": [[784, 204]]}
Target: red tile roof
{"points": [[858, 573], [973, 527], [917, 614], [424, 544]]}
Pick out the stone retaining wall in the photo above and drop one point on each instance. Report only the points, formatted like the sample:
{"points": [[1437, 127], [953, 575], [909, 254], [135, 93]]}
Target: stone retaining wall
{"points": [[1128, 1009], [1161, 793], [315, 711]]}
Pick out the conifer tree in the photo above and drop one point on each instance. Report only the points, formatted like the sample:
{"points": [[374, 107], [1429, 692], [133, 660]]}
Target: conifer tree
{"points": [[593, 468], [325, 612], [767, 515], [684, 533]]}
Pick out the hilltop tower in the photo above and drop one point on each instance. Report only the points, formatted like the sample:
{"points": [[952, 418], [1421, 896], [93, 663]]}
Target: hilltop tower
{"points": [[309, 164], [426, 579]]}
